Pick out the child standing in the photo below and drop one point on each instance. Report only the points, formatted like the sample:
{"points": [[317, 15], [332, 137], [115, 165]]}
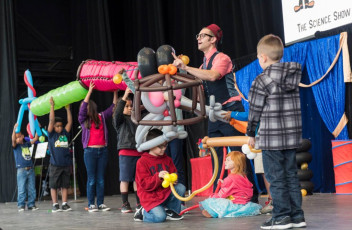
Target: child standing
{"points": [[151, 169], [274, 101], [95, 141], [126, 146], [60, 160], [25, 171], [233, 199]]}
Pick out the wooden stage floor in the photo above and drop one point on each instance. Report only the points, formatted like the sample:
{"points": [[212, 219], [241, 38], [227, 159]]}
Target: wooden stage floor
{"points": [[322, 211]]}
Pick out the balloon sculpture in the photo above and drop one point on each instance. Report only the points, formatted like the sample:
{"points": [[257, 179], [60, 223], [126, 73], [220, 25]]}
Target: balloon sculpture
{"points": [[33, 125]]}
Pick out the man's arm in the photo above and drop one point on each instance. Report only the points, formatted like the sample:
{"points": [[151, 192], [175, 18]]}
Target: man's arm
{"points": [[204, 74]]}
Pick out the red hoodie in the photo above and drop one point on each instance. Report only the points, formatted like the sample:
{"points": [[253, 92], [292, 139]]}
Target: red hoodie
{"points": [[149, 189]]}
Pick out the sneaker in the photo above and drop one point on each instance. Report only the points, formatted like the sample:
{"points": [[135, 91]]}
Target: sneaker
{"points": [[284, 223], [65, 207], [92, 208], [138, 216], [299, 223], [33, 208], [56, 208], [21, 209], [171, 215], [138, 206], [103, 208], [126, 207], [268, 208]]}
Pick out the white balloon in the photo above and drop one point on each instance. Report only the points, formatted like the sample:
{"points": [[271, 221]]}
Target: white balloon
{"points": [[245, 149]]}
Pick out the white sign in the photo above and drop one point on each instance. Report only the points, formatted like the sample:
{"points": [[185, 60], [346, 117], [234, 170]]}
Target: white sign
{"points": [[41, 150], [302, 18]]}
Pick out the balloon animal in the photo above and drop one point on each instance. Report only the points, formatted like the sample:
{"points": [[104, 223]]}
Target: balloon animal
{"points": [[33, 125]]}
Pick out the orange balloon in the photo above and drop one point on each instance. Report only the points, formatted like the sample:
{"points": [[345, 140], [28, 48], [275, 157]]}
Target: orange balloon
{"points": [[163, 69], [117, 79], [172, 69], [185, 59]]}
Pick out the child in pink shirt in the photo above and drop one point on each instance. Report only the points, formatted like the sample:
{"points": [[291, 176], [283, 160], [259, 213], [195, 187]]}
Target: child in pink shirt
{"points": [[233, 199]]}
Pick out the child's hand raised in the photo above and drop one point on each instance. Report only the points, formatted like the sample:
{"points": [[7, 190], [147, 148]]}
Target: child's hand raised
{"points": [[67, 107], [91, 86], [52, 103], [227, 115]]}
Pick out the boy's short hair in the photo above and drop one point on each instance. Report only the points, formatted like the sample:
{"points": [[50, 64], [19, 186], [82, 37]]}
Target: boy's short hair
{"points": [[271, 45], [153, 134], [59, 119]]}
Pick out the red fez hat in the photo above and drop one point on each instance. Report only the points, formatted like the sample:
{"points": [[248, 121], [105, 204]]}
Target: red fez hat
{"points": [[216, 31]]}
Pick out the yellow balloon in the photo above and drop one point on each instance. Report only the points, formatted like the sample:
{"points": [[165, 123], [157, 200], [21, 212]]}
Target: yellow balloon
{"points": [[304, 192], [167, 177], [185, 59], [41, 139], [173, 177], [117, 79], [304, 166], [165, 183]]}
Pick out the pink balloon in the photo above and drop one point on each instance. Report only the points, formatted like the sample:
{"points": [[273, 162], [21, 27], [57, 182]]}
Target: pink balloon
{"points": [[177, 103], [178, 94], [156, 98]]}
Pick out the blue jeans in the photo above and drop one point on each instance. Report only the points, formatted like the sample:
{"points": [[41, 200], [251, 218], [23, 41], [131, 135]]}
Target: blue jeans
{"points": [[95, 160], [175, 151], [158, 214], [281, 172], [26, 186]]}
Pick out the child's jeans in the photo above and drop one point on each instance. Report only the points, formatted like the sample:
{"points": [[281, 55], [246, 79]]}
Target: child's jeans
{"points": [[95, 160], [281, 172], [26, 186], [158, 214]]}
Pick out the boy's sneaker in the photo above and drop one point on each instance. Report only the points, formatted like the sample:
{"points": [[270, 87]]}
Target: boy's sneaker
{"points": [[284, 223], [103, 208], [171, 215], [56, 208], [138, 216], [33, 208], [126, 207], [138, 206], [65, 207], [21, 209], [299, 223], [268, 208], [92, 208]]}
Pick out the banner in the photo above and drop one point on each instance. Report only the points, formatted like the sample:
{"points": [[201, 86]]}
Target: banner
{"points": [[302, 18]]}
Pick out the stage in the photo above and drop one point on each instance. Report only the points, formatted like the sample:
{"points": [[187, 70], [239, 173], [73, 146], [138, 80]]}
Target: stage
{"points": [[322, 211]]}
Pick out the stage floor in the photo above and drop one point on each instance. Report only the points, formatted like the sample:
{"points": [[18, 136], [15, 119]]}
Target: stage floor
{"points": [[322, 211]]}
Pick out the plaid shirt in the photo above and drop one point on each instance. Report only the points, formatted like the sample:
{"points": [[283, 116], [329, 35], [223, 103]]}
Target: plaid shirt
{"points": [[274, 102]]}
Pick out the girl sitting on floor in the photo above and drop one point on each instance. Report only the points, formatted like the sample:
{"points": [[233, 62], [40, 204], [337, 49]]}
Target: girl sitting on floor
{"points": [[233, 199]]}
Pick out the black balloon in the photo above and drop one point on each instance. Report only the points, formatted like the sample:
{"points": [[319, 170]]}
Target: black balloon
{"points": [[303, 157], [304, 174], [164, 56], [147, 62]]}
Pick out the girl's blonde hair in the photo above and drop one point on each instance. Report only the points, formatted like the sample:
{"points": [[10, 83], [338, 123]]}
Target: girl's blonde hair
{"points": [[239, 160]]}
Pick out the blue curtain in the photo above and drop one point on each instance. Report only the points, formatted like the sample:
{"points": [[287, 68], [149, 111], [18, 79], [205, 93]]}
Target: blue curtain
{"points": [[329, 94], [321, 113]]}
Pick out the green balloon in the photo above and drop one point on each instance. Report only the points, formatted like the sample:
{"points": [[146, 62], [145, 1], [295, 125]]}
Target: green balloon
{"points": [[64, 95]]}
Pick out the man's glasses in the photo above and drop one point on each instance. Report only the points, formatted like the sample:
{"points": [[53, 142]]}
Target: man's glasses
{"points": [[201, 36], [163, 146]]}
